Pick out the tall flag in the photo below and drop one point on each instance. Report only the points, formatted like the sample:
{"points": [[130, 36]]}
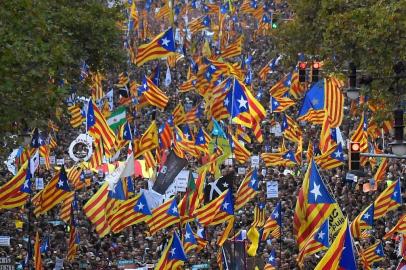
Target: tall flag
{"points": [[76, 116], [117, 118], [173, 256], [164, 216], [372, 254], [55, 192], [326, 140], [161, 46], [332, 158], [248, 189], [273, 224], [153, 94], [95, 211], [259, 215], [165, 135], [234, 49], [74, 240], [323, 97], [271, 263], [148, 141], [270, 66], [132, 211], [400, 227], [381, 171], [291, 129], [191, 240], [388, 200], [281, 87], [193, 197], [317, 242], [341, 254], [199, 24], [15, 192], [241, 153], [280, 104], [364, 221], [314, 205], [37, 253], [98, 128]]}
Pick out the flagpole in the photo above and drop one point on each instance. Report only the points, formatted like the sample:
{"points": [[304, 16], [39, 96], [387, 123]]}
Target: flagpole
{"points": [[280, 235]]}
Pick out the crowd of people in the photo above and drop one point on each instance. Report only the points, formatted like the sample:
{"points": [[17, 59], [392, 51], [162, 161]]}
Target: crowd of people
{"points": [[135, 245]]}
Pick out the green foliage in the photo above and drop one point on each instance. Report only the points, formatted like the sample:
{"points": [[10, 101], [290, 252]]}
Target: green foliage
{"points": [[41, 44], [370, 33]]}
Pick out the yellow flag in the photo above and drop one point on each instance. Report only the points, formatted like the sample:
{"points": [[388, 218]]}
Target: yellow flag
{"points": [[19, 224], [206, 49], [253, 236]]}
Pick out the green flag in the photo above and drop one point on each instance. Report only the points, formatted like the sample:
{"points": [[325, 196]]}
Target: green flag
{"points": [[117, 118]]}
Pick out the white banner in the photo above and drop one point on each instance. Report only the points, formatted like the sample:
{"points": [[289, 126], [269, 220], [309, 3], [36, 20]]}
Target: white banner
{"points": [[181, 180], [255, 161], [39, 183], [271, 189], [5, 241]]}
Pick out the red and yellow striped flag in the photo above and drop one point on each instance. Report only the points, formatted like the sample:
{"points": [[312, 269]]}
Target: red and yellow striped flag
{"points": [[94, 209], [234, 49], [37, 252], [400, 227], [248, 189], [148, 141], [154, 95], [76, 116], [164, 216], [11, 195]]}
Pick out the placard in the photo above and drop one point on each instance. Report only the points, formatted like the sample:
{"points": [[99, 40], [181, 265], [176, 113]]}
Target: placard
{"points": [[228, 162], [6, 263], [41, 160], [255, 161], [60, 161], [39, 183], [58, 264], [241, 170], [181, 180], [5, 241], [271, 189], [52, 159]]}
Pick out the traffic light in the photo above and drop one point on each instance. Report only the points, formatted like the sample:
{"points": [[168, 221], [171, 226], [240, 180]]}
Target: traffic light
{"points": [[274, 21], [354, 156], [302, 72], [398, 124], [352, 76], [315, 72]]}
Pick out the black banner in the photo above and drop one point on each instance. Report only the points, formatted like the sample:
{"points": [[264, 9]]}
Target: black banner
{"points": [[234, 255], [173, 165]]}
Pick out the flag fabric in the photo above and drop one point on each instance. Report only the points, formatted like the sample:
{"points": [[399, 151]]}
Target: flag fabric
{"points": [[66, 208], [148, 141], [259, 215], [323, 97], [94, 209], [167, 173], [317, 242], [372, 254], [153, 94], [173, 256], [381, 171], [96, 87], [248, 189], [117, 118], [389, 199], [206, 214], [130, 212], [165, 135], [164, 216], [326, 140], [98, 128], [55, 192], [314, 205], [332, 158], [37, 253], [364, 221], [270, 66], [273, 223], [291, 130], [253, 237], [340, 255], [73, 244], [76, 116], [241, 153], [15, 192], [193, 197], [280, 104], [214, 189], [271, 263], [281, 87], [161, 46], [234, 49], [199, 24], [400, 227], [190, 240]]}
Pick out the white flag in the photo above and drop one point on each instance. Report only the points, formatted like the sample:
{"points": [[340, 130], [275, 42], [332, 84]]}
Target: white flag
{"points": [[168, 78], [34, 162]]}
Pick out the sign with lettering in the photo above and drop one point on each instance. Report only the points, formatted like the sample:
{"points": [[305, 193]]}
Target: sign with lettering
{"points": [[5, 241], [271, 189], [6, 263]]}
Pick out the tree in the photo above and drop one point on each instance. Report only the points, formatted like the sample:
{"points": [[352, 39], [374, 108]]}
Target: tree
{"points": [[370, 33], [42, 44]]}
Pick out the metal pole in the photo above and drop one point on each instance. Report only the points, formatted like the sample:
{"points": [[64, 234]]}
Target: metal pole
{"points": [[382, 155]]}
